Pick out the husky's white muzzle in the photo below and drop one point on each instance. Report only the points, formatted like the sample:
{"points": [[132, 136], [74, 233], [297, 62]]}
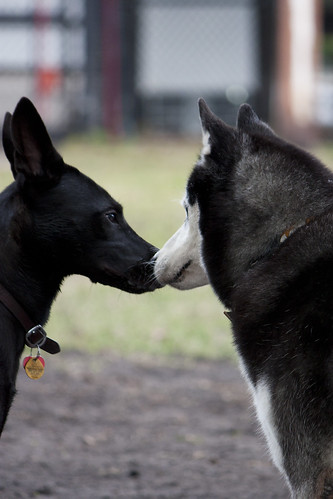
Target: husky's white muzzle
{"points": [[179, 262]]}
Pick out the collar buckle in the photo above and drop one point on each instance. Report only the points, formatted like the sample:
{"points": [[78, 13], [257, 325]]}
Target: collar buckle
{"points": [[35, 337]]}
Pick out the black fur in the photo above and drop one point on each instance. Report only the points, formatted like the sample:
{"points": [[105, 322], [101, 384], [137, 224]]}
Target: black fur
{"points": [[55, 221], [251, 188]]}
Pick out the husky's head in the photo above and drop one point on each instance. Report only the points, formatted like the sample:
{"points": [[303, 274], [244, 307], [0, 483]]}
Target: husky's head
{"points": [[247, 189]]}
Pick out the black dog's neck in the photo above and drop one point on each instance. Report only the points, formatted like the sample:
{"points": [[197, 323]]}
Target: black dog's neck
{"points": [[34, 296], [32, 285]]}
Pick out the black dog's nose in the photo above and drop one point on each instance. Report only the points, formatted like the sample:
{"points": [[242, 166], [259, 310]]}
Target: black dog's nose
{"points": [[153, 251]]}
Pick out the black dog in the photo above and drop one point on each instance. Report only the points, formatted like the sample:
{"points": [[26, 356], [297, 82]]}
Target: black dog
{"points": [[54, 221]]}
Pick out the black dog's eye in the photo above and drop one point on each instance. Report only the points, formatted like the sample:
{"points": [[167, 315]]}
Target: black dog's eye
{"points": [[112, 217]]}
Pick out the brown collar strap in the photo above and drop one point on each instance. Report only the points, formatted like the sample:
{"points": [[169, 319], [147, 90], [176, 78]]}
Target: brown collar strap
{"points": [[293, 228], [228, 315], [35, 334]]}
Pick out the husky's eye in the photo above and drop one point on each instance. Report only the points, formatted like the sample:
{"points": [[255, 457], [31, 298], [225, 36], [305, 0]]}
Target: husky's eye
{"points": [[186, 210], [112, 217]]}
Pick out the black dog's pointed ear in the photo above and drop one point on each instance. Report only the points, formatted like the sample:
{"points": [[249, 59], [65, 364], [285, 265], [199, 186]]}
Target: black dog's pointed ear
{"points": [[34, 154], [7, 141], [249, 122], [216, 135]]}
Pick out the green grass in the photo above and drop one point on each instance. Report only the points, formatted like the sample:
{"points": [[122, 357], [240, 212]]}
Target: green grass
{"points": [[149, 180]]}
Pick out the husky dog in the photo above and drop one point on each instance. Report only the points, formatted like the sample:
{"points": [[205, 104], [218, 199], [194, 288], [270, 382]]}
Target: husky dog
{"points": [[259, 227]]}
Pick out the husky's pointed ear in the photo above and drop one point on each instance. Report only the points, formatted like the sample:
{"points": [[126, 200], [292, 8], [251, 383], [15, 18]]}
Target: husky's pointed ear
{"points": [[214, 130], [7, 141], [249, 122], [209, 121], [34, 154], [207, 117]]}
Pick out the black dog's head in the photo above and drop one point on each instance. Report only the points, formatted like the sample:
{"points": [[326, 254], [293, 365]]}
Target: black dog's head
{"points": [[62, 220]]}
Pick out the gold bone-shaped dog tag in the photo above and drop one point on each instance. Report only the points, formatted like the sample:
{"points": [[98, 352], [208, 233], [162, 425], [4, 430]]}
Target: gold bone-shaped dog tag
{"points": [[34, 366]]}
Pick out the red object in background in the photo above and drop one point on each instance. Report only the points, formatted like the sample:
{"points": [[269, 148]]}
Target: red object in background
{"points": [[47, 80], [47, 77]]}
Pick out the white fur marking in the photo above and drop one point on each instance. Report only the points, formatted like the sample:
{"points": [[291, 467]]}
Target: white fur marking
{"points": [[206, 143], [262, 402]]}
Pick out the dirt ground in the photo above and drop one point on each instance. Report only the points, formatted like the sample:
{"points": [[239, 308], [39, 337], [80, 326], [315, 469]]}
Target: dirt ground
{"points": [[101, 427]]}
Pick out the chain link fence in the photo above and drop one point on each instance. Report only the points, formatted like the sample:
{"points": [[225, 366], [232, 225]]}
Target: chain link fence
{"points": [[132, 65], [190, 48]]}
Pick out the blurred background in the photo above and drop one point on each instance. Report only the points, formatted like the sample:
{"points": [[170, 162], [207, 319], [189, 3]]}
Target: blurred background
{"points": [[139, 65], [117, 83]]}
